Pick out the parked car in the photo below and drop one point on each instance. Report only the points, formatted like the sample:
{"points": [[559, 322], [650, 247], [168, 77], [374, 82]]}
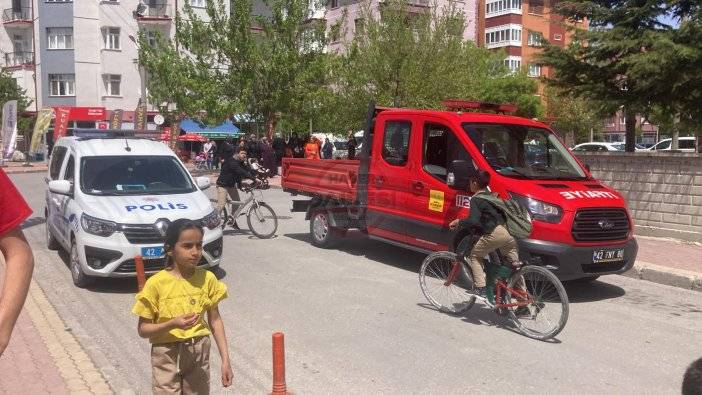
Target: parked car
{"points": [[110, 196], [685, 144], [598, 147]]}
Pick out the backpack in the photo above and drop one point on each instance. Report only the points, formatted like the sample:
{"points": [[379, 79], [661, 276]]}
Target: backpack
{"points": [[517, 217]]}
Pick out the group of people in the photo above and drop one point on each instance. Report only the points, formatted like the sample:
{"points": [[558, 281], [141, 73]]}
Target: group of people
{"points": [[268, 153], [311, 147]]}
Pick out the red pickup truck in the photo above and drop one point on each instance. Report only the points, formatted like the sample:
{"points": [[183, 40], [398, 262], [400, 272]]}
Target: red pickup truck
{"points": [[409, 181]]}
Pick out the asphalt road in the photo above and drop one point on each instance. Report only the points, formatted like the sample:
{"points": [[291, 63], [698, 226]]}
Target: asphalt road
{"points": [[356, 322]]}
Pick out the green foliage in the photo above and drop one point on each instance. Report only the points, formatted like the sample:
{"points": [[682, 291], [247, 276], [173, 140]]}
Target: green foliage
{"points": [[418, 60], [572, 114], [9, 90], [629, 58]]}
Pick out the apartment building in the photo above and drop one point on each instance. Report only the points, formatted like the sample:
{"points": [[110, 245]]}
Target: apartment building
{"points": [[518, 27], [348, 15], [82, 54]]}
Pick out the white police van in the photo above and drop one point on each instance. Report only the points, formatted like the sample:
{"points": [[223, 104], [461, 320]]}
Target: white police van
{"points": [[112, 194]]}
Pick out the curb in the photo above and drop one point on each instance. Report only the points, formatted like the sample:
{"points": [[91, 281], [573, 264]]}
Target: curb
{"points": [[22, 171], [75, 366], [665, 275]]}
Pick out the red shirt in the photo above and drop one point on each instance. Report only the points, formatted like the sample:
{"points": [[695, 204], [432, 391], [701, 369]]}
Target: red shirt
{"points": [[13, 208]]}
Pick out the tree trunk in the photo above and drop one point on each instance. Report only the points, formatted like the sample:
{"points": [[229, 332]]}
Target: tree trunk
{"points": [[630, 117], [675, 140], [270, 126]]}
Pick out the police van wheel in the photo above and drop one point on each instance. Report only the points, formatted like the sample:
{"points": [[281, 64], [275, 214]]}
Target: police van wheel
{"points": [[51, 242], [80, 279], [323, 234]]}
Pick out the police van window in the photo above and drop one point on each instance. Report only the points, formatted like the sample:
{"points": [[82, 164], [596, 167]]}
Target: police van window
{"points": [[440, 148], [69, 173], [57, 156], [396, 142], [686, 144]]}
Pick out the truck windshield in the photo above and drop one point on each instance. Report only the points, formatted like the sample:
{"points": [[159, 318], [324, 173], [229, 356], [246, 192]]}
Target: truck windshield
{"points": [[524, 152], [133, 175]]}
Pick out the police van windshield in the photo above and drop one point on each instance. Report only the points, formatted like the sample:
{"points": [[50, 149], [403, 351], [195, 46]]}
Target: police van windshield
{"points": [[524, 152], [133, 175]]}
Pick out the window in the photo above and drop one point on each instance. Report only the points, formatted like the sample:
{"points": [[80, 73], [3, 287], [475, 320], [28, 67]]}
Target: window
{"points": [[70, 172], [62, 84], [534, 39], [536, 7], [686, 143], [501, 7], [112, 84], [558, 37], [439, 149], [110, 37], [60, 37], [622, 121], [505, 35], [334, 3], [396, 138], [59, 1], [197, 3], [534, 70], [513, 63], [151, 37], [56, 161]]}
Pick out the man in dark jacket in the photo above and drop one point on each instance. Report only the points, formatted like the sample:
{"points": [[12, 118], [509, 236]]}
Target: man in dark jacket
{"points": [[486, 219], [254, 148], [327, 149], [234, 172], [279, 148]]}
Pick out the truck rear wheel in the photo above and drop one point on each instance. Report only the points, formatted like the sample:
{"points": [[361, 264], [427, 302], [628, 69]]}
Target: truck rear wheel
{"points": [[322, 233]]}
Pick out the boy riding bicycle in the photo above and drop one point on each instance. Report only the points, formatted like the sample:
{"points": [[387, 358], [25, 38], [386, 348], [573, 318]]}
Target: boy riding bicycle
{"points": [[488, 221]]}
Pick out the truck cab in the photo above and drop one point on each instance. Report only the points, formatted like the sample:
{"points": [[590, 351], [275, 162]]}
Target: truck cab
{"points": [[412, 182]]}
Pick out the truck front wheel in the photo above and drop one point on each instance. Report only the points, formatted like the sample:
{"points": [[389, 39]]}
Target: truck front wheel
{"points": [[322, 233]]}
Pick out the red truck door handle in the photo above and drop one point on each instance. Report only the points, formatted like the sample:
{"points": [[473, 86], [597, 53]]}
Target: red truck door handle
{"points": [[417, 185]]}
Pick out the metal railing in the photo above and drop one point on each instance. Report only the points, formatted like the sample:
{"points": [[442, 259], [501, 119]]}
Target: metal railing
{"points": [[155, 10], [14, 59], [23, 14]]}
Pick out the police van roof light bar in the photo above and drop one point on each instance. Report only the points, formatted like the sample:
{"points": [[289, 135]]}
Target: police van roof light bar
{"points": [[472, 105], [86, 134]]}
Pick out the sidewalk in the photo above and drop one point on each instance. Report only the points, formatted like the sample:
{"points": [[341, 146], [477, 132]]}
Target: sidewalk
{"points": [[19, 168], [43, 357], [668, 261]]}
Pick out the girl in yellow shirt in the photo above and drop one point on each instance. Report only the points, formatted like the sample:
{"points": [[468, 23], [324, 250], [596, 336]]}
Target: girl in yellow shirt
{"points": [[171, 308]]}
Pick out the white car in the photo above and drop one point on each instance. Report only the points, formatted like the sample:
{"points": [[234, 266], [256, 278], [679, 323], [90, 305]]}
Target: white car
{"points": [[110, 199], [685, 144], [598, 147]]}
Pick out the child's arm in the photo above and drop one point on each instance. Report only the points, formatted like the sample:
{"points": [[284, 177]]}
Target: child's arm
{"points": [[217, 327], [148, 329]]}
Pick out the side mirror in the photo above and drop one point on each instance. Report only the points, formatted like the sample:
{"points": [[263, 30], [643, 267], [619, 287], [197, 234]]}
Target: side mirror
{"points": [[61, 187], [202, 183], [458, 173], [587, 166]]}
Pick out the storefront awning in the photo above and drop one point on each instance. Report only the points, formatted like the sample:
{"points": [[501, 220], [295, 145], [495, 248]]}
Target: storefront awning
{"points": [[226, 129]]}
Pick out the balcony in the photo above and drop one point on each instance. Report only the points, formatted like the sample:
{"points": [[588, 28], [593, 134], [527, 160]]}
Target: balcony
{"points": [[17, 16], [154, 13], [16, 60]]}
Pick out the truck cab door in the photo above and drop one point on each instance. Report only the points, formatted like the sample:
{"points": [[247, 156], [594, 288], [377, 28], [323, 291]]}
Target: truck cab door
{"points": [[64, 221], [389, 180], [434, 201]]}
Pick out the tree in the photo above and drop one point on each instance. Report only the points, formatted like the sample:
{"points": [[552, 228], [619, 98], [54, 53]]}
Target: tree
{"points": [[409, 59], [629, 58], [233, 61], [569, 114]]}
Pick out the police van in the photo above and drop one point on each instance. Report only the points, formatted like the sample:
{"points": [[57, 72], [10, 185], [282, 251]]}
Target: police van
{"points": [[110, 197]]}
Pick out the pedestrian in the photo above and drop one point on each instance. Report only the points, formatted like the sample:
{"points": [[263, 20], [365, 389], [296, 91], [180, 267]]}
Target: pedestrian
{"points": [[171, 310], [279, 149], [227, 150], [268, 157], [692, 381], [295, 147], [234, 171], [19, 261], [215, 156], [207, 150], [351, 146], [311, 149], [253, 148], [327, 149]]}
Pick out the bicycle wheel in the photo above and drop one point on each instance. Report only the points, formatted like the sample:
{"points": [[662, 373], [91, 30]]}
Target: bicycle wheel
{"points": [[547, 313], [262, 220], [433, 279], [224, 217]]}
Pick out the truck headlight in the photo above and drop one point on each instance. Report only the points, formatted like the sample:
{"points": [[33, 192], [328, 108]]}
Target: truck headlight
{"points": [[96, 226], [211, 220], [539, 210]]}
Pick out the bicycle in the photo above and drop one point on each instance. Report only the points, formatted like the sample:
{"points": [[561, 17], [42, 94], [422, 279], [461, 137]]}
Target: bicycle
{"points": [[529, 296], [260, 217]]}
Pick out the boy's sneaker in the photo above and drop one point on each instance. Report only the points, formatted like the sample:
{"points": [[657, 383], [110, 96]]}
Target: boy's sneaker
{"points": [[481, 292]]}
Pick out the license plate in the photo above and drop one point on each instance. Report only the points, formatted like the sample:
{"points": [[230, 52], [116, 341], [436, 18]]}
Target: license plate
{"points": [[605, 256], [152, 252]]}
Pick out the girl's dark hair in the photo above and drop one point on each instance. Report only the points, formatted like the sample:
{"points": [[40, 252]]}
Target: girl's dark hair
{"points": [[481, 177], [173, 234]]}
